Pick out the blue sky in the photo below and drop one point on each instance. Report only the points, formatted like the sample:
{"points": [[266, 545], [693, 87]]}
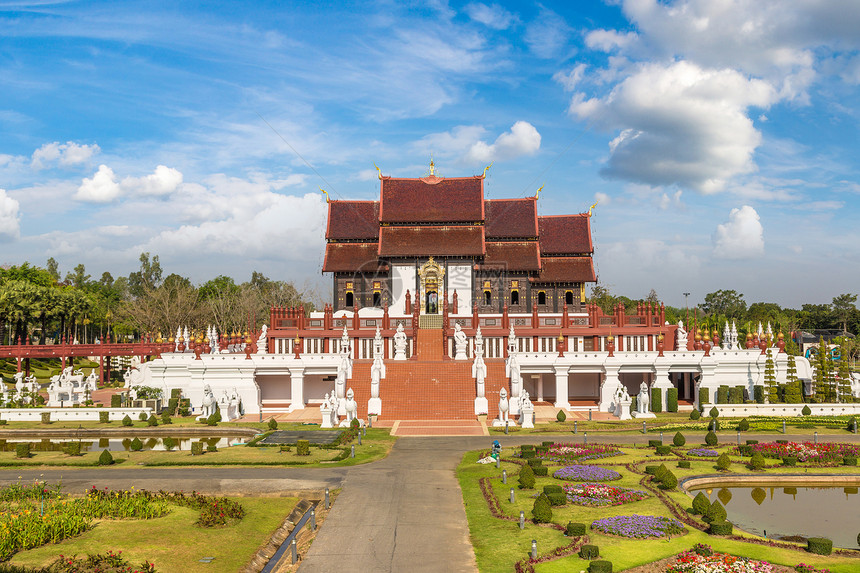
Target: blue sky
{"points": [[720, 137]]}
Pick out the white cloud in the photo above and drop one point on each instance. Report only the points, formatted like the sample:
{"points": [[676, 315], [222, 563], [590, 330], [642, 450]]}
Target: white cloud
{"points": [[163, 181], [10, 220], [609, 40], [679, 124], [602, 198], [493, 16], [667, 201], [102, 188], [65, 154], [522, 139], [547, 35], [570, 80], [741, 237]]}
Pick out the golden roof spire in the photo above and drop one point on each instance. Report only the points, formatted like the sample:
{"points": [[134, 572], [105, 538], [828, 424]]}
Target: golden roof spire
{"points": [[432, 166], [592, 207], [327, 198], [378, 171], [537, 193], [487, 168]]}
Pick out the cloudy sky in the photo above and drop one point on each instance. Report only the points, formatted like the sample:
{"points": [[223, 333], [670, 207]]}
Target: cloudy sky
{"points": [[720, 137]]}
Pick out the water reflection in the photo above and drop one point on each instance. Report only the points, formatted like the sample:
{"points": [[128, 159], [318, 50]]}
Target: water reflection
{"points": [[832, 512]]}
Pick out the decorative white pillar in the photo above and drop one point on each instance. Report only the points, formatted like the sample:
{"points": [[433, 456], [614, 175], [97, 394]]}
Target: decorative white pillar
{"points": [[611, 384], [663, 382], [297, 389], [538, 378], [561, 395]]}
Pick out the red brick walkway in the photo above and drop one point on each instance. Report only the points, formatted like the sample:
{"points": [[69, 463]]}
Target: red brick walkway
{"points": [[438, 428]]}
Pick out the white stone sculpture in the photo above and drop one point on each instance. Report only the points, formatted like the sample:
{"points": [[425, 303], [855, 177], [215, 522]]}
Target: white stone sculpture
{"points": [[132, 393], [504, 408], [263, 341], [19, 385], [624, 403], [325, 413], [459, 343], [512, 370], [4, 391], [681, 345], [726, 342], [527, 411], [734, 345], [92, 382], [344, 373], [208, 405], [377, 373], [643, 402], [378, 344], [479, 373], [351, 409], [400, 343], [512, 341], [334, 406]]}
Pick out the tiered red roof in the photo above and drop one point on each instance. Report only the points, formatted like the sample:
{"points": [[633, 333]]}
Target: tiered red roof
{"points": [[351, 257], [513, 255], [565, 234], [432, 200], [511, 218], [566, 270], [353, 220], [463, 241]]}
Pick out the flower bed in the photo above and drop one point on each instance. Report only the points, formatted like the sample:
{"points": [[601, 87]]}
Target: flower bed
{"points": [[586, 473], [639, 526], [823, 453], [599, 495], [566, 453], [703, 453], [691, 562]]}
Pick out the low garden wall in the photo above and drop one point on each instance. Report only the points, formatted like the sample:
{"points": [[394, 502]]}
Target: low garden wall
{"points": [[71, 414], [744, 410]]}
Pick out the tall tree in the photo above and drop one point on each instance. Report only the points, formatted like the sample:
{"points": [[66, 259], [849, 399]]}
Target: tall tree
{"points": [[148, 277], [727, 303], [843, 308], [793, 391], [770, 386], [54, 269], [843, 374]]}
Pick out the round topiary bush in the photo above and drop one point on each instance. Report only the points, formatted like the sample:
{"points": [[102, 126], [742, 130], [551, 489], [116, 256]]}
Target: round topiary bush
{"points": [[600, 566], [541, 471], [526, 478], [720, 528], [724, 462], [126, 421], [713, 425], [695, 415], [789, 461], [684, 464], [743, 425], [561, 416], [819, 545], [273, 424], [757, 461], [553, 488], [105, 459], [714, 413], [716, 512], [579, 529], [711, 439], [136, 445], [557, 499], [701, 504], [142, 417], [589, 552], [679, 440], [806, 411], [152, 420], [542, 510], [668, 480]]}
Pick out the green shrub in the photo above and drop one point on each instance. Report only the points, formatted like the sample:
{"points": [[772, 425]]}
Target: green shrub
{"points": [[806, 412], [176, 393], [752, 442], [73, 448], [711, 439], [46, 417], [720, 528], [547, 444], [2, 422], [589, 552], [661, 470], [534, 462], [136, 445], [575, 529], [142, 417], [758, 394], [152, 420], [126, 421], [197, 448], [849, 461], [526, 447], [104, 417], [789, 461], [211, 448], [701, 504], [214, 418], [542, 510], [694, 414], [165, 417], [743, 425], [651, 470], [703, 397], [303, 448], [172, 405], [722, 395], [654, 443], [781, 441], [713, 425], [736, 395], [664, 450], [656, 400], [714, 413], [273, 424], [115, 401], [684, 464], [716, 512], [678, 439], [22, 450], [168, 443], [528, 454], [757, 461], [526, 478], [819, 545], [724, 461], [105, 459], [668, 480], [600, 566], [745, 450], [852, 425], [553, 488], [561, 416], [541, 471], [557, 499], [672, 400]]}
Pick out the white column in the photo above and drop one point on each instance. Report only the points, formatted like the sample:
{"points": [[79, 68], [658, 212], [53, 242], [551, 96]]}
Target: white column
{"points": [[297, 389], [539, 386], [663, 382], [561, 395], [611, 383]]}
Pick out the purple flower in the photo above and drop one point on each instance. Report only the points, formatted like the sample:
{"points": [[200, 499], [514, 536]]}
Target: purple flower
{"points": [[586, 473], [639, 526], [703, 453]]}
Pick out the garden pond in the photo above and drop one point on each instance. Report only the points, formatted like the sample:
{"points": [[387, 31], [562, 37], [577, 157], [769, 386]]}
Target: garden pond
{"points": [[791, 509]]}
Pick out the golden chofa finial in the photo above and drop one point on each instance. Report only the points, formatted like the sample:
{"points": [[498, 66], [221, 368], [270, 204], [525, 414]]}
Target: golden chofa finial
{"points": [[432, 167], [378, 171], [537, 193], [327, 198], [487, 168], [592, 207]]}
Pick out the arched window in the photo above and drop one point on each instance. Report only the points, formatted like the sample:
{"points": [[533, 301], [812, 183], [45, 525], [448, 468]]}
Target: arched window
{"points": [[568, 297], [541, 297], [350, 300], [515, 297], [488, 298]]}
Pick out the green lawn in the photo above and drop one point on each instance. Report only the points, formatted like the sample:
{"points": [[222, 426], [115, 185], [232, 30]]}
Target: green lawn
{"points": [[174, 542], [499, 543]]}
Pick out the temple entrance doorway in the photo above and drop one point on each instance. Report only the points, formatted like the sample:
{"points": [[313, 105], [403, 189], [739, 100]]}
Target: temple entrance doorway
{"points": [[431, 275]]}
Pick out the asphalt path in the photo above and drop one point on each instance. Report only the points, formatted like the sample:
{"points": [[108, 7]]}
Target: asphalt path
{"points": [[402, 513]]}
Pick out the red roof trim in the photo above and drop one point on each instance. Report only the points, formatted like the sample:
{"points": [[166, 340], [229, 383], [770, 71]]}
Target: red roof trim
{"points": [[352, 220], [451, 240]]}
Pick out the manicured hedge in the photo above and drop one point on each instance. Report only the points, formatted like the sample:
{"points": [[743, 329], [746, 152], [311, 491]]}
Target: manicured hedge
{"points": [[819, 545], [656, 400], [672, 400], [849, 461], [541, 471], [654, 443], [557, 499], [720, 528], [664, 450], [303, 448], [684, 464], [575, 529], [703, 396], [789, 461], [600, 566], [589, 552]]}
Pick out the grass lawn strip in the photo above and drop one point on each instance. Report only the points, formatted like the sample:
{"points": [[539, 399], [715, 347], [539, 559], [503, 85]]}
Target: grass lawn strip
{"points": [[499, 547]]}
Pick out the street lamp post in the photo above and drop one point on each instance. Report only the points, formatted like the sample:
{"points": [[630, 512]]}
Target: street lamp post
{"points": [[687, 308]]}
